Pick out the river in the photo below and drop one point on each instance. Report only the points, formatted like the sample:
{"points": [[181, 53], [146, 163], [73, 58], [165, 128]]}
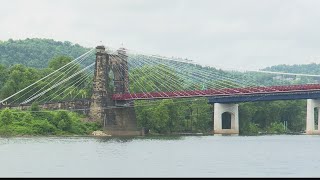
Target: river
{"points": [[175, 156]]}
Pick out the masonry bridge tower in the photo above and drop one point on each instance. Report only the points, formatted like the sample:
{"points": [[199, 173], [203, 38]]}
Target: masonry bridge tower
{"points": [[111, 76]]}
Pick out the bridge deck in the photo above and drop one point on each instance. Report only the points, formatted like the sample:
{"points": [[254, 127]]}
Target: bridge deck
{"points": [[265, 97], [226, 92]]}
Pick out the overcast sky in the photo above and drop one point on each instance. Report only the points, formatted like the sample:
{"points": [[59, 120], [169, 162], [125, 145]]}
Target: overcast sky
{"points": [[237, 34]]}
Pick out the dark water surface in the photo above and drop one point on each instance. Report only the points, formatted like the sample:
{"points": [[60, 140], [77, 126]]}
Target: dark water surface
{"points": [[187, 156]]}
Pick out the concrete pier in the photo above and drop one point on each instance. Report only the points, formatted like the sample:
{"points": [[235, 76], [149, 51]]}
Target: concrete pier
{"points": [[312, 104], [221, 113]]}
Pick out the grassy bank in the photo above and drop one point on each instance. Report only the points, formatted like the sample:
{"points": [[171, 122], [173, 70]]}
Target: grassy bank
{"points": [[36, 122]]}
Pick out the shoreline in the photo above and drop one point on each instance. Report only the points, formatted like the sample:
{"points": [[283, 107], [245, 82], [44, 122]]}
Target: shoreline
{"points": [[149, 135]]}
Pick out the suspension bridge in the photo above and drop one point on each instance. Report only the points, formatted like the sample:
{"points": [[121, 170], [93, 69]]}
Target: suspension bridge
{"points": [[121, 76]]}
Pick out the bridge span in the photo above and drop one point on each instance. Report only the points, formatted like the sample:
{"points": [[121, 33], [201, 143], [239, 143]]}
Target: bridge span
{"points": [[225, 101]]}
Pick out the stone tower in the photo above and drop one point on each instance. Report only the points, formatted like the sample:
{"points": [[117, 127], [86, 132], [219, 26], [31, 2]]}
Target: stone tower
{"points": [[118, 117], [99, 94]]}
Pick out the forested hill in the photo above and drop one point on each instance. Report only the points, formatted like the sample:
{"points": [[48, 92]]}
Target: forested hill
{"points": [[312, 68], [36, 52]]}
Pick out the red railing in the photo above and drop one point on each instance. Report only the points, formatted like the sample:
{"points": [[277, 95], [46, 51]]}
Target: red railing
{"points": [[218, 92]]}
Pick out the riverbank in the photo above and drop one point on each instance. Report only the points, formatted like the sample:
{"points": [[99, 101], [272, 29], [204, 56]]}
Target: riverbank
{"points": [[44, 123], [166, 136]]}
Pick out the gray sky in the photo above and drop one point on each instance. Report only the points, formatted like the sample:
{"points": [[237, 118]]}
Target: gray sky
{"points": [[237, 34]]}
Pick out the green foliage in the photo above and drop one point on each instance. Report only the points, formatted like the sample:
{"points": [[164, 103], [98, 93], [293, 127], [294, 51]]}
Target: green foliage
{"points": [[276, 128], [35, 107], [3, 74], [274, 79], [59, 61], [311, 68], [18, 77], [253, 129], [6, 117], [250, 129], [15, 56], [174, 115], [41, 127], [27, 117], [36, 52], [62, 120], [20, 130], [269, 116], [45, 115], [17, 123], [6, 131]]}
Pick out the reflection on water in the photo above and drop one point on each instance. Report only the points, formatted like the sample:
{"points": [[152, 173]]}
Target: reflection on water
{"points": [[161, 156]]}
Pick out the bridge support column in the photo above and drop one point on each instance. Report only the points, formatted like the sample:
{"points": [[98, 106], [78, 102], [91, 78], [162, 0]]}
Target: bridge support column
{"points": [[99, 97], [118, 118], [226, 119], [310, 124]]}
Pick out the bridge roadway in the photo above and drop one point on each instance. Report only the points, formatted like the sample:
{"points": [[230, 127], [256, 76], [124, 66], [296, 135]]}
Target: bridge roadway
{"points": [[234, 95]]}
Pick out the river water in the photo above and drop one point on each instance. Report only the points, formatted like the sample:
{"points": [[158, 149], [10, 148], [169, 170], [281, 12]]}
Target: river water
{"points": [[186, 156]]}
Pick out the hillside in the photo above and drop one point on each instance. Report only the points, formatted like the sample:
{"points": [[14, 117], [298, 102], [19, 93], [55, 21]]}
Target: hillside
{"points": [[312, 68], [36, 52]]}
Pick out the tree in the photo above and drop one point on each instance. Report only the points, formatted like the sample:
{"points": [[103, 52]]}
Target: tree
{"points": [[3, 75], [59, 61], [202, 115], [62, 121], [19, 77], [35, 106], [6, 117]]}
